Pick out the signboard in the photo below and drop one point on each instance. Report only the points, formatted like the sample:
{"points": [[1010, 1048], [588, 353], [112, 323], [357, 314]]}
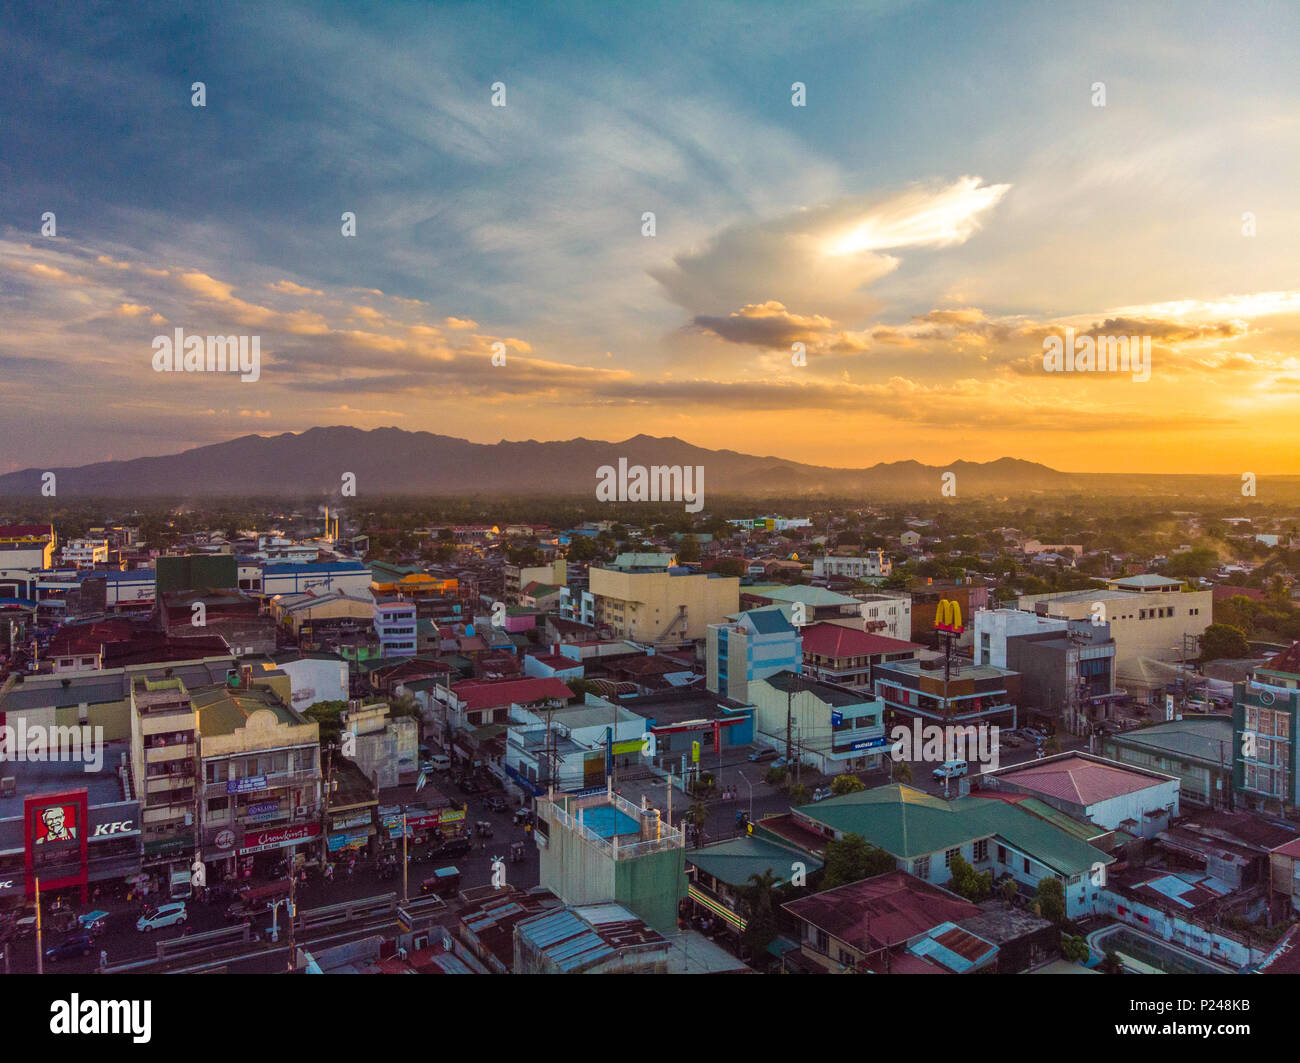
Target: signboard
{"points": [[868, 743], [837, 718], [54, 825], [246, 786], [278, 838], [354, 840], [263, 808], [225, 839]]}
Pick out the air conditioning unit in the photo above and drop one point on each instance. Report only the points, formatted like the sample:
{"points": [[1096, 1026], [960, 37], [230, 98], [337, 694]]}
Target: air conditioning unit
{"points": [[301, 810]]}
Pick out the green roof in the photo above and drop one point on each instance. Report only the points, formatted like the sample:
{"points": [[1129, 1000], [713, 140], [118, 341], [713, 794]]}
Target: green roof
{"points": [[810, 596], [733, 861], [223, 710], [1207, 739], [908, 823]]}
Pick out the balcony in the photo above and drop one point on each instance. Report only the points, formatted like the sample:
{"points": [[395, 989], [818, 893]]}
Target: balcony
{"points": [[172, 752]]}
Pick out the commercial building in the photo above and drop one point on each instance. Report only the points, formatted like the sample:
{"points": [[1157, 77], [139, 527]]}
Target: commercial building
{"points": [[261, 774], [164, 771], [756, 644], [27, 546], [832, 728], [598, 848], [1196, 750], [870, 564], [85, 553], [395, 625], [972, 596], [840, 654], [350, 577], [644, 598], [1264, 710], [385, 748], [972, 694]]}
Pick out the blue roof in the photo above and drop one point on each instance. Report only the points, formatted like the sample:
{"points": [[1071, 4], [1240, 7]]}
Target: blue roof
{"points": [[286, 568]]}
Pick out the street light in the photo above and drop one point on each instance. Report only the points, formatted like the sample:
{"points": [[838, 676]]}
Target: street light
{"points": [[751, 794]]}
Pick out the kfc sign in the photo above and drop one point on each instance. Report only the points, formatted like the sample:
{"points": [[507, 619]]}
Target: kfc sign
{"points": [[56, 823], [121, 827]]}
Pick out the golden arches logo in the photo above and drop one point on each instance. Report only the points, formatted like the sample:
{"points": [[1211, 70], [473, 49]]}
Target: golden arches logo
{"points": [[947, 617]]}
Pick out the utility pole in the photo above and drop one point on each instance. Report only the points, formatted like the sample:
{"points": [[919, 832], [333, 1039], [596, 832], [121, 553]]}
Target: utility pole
{"points": [[40, 952], [404, 860], [293, 909]]}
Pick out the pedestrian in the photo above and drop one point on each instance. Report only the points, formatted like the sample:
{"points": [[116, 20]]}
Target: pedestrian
{"points": [[103, 958]]}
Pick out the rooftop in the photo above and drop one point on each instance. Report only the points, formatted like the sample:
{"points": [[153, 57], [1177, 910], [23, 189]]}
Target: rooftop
{"points": [[1077, 779], [835, 640]]}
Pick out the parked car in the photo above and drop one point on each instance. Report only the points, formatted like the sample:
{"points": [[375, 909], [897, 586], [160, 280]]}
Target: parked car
{"points": [[495, 802], [442, 882], [468, 785], [821, 793], [163, 915], [75, 945], [1034, 734], [951, 769], [437, 762], [762, 756], [1010, 740], [451, 847]]}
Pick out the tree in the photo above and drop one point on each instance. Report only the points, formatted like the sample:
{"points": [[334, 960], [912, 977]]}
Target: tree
{"points": [[852, 858], [902, 772], [1049, 897], [846, 784], [967, 882], [1223, 641], [760, 923], [775, 776], [1075, 948], [689, 550], [799, 794], [582, 548], [699, 812], [730, 566], [1009, 890]]}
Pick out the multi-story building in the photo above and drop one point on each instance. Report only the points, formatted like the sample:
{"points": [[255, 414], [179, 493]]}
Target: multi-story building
{"points": [[395, 627], [646, 598], [350, 577], [837, 653], [261, 777], [1264, 709], [1067, 676], [517, 577], [757, 644], [871, 564], [884, 613], [830, 727], [85, 553], [164, 767], [1151, 618], [972, 694], [27, 546]]}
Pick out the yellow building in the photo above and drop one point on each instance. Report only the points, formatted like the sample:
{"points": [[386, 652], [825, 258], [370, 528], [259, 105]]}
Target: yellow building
{"points": [[414, 585], [293, 610], [651, 602]]}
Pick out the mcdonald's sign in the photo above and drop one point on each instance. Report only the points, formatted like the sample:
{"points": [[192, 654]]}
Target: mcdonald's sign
{"points": [[947, 617]]}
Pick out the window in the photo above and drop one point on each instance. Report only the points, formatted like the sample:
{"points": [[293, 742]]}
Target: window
{"points": [[1026, 865], [822, 940], [921, 868], [981, 850], [1002, 855], [948, 855]]}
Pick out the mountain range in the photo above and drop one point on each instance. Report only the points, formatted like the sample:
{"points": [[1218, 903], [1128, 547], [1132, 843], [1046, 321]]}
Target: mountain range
{"points": [[390, 461]]}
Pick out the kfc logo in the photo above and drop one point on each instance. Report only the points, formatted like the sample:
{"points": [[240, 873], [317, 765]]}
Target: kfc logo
{"points": [[56, 823]]}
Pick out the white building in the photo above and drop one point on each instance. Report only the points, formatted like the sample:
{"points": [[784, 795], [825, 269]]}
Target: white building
{"points": [[994, 626], [85, 553], [872, 564]]}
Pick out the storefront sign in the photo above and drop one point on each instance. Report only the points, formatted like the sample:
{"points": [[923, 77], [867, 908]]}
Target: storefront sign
{"points": [[278, 838], [246, 786], [122, 828], [355, 840], [225, 840]]}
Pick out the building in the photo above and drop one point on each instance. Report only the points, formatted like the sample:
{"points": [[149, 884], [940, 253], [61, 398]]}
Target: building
{"points": [[1067, 677], [972, 694], [840, 654], [320, 611], [883, 613], [350, 577], [394, 621], [1196, 750], [1264, 709], [85, 553], [385, 748], [517, 577], [923, 833], [27, 547], [599, 848], [234, 615], [756, 644], [1136, 801], [568, 748], [1151, 618], [164, 769], [645, 598], [804, 604], [830, 727], [261, 775], [926, 595], [600, 938], [719, 876], [870, 564], [893, 923]]}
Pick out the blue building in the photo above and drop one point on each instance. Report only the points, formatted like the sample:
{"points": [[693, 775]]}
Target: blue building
{"points": [[753, 645]]}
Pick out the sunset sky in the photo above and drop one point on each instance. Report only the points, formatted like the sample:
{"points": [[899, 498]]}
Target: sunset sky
{"points": [[948, 197]]}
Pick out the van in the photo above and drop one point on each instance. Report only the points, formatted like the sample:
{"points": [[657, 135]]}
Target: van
{"points": [[439, 762], [951, 769], [762, 756], [163, 915]]}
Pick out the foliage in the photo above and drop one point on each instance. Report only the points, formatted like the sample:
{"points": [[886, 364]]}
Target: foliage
{"points": [[846, 784], [1049, 898], [1075, 948], [1222, 641], [967, 882], [775, 776], [760, 907], [799, 794], [852, 858]]}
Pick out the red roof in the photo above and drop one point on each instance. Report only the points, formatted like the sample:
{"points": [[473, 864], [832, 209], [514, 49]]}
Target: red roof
{"points": [[1083, 782], [885, 910], [1286, 661], [557, 661], [1224, 591], [835, 640], [20, 531], [485, 694]]}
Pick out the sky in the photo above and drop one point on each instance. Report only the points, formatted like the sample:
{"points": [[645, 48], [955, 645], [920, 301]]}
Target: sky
{"points": [[873, 275]]}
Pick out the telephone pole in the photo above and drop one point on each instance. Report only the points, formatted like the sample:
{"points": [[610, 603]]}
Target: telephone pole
{"points": [[40, 952]]}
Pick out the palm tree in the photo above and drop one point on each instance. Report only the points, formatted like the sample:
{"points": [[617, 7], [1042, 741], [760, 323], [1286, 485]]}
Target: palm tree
{"points": [[902, 771], [699, 812], [760, 925]]}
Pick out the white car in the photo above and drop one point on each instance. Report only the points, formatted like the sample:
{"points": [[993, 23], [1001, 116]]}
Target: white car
{"points": [[951, 769], [822, 793], [163, 915]]}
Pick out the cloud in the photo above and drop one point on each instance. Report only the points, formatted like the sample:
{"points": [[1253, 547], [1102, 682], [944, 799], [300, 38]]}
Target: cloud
{"points": [[289, 288]]}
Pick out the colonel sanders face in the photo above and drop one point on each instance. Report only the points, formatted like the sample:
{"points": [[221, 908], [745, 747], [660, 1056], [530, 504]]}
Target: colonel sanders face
{"points": [[56, 826]]}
